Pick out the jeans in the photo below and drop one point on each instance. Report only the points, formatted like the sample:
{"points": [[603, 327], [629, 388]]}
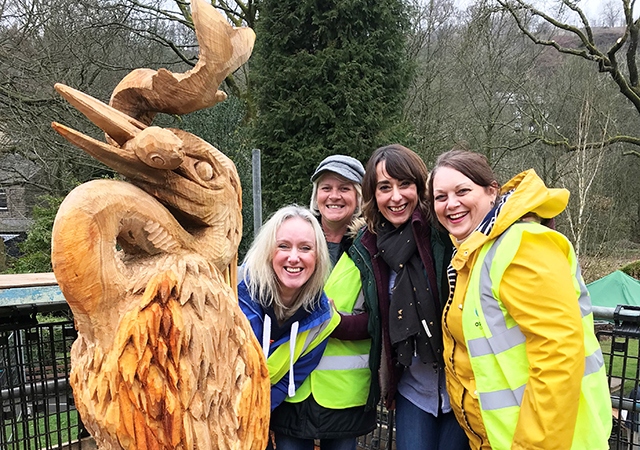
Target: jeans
{"points": [[291, 443], [419, 430]]}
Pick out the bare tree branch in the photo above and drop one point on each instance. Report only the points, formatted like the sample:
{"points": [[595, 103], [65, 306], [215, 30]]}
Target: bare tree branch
{"points": [[607, 62], [594, 145]]}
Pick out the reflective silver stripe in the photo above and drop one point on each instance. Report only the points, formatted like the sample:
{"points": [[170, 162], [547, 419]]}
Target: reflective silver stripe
{"points": [[315, 332], [490, 307], [502, 338], [593, 363], [507, 340], [502, 399], [359, 306], [343, 362], [584, 301]]}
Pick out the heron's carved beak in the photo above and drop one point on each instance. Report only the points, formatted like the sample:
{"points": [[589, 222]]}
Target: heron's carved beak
{"points": [[179, 169], [136, 149]]}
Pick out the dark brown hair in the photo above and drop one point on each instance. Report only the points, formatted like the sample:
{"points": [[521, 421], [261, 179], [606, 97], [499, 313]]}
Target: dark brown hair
{"points": [[401, 164], [474, 166]]}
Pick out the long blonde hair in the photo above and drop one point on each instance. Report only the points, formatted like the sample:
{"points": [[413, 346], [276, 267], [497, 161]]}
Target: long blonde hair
{"points": [[260, 278]]}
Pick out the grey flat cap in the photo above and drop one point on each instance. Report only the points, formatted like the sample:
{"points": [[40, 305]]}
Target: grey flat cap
{"points": [[346, 166]]}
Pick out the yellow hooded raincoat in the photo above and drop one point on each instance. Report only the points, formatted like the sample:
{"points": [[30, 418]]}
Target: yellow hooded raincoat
{"points": [[538, 293]]}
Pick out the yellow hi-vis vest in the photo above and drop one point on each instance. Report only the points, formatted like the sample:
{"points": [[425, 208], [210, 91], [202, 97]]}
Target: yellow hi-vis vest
{"points": [[342, 377], [498, 356], [281, 360]]}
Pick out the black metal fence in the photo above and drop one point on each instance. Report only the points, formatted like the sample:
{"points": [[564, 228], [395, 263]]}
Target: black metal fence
{"points": [[383, 437], [620, 350], [38, 410]]}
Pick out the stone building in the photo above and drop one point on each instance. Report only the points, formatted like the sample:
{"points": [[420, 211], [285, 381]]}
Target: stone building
{"points": [[18, 194]]}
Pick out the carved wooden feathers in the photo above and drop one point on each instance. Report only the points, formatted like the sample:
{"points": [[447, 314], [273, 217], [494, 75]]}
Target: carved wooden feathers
{"points": [[164, 359]]}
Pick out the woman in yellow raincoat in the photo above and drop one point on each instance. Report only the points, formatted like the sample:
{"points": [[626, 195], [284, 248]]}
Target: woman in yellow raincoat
{"points": [[524, 368]]}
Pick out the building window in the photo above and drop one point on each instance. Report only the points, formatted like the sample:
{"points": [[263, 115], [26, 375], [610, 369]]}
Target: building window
{"points": [[3, 199]]}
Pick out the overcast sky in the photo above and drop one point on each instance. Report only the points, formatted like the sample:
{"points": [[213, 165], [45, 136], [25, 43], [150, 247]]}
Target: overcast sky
{"points": [[592, 8]]}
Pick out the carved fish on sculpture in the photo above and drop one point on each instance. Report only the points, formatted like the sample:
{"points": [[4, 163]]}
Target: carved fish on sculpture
{"points": [[164, 359]]}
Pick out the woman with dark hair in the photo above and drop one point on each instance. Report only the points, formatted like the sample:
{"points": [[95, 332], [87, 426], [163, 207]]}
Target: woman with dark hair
{"points": [[524, 367], [403, 263]]}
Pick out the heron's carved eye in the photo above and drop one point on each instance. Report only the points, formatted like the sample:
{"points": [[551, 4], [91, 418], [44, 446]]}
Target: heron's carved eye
{"points": [[204, 170]]}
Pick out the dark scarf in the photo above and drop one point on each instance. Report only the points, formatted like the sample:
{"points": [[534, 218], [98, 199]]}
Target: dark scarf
{"points": [[412, 309]]}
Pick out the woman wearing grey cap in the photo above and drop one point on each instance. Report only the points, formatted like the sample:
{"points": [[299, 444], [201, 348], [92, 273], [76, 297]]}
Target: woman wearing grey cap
{"points": [[336, 403], [336, 199]]}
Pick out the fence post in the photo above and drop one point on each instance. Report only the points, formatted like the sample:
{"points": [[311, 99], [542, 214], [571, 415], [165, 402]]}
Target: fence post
{"points": [[257, 190]]}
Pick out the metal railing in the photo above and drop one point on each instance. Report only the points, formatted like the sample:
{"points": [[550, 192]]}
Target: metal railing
{"points": [[619, 345], [383, 437], [38, 410]]}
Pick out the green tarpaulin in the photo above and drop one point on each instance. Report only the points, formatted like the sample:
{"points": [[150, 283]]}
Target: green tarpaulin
{"points": [[617, 288]]}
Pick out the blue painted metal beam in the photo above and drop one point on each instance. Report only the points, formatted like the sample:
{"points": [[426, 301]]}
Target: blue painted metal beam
{"points": [[29, 289]]}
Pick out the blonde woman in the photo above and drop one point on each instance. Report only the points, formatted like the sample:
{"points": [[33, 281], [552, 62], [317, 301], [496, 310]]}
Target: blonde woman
{"points": [[335, 404], [281, 294]]}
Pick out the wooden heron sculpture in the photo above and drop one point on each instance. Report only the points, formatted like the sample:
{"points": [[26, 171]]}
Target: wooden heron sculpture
{"points": [[164, 359]]}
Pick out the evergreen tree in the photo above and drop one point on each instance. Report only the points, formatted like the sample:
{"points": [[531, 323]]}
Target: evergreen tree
{"points": [[331, 77]]}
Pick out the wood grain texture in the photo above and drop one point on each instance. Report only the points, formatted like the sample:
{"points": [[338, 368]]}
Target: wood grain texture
{"points": [[165, 358]]}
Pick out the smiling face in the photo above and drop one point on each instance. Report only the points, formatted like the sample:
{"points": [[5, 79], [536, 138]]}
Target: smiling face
{"points": [[337, 199], [396, 199], [459, 203], [294, 258]]}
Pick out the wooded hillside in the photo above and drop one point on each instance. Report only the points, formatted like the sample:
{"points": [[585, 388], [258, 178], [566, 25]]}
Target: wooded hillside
{"points": [[549, 89]]}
